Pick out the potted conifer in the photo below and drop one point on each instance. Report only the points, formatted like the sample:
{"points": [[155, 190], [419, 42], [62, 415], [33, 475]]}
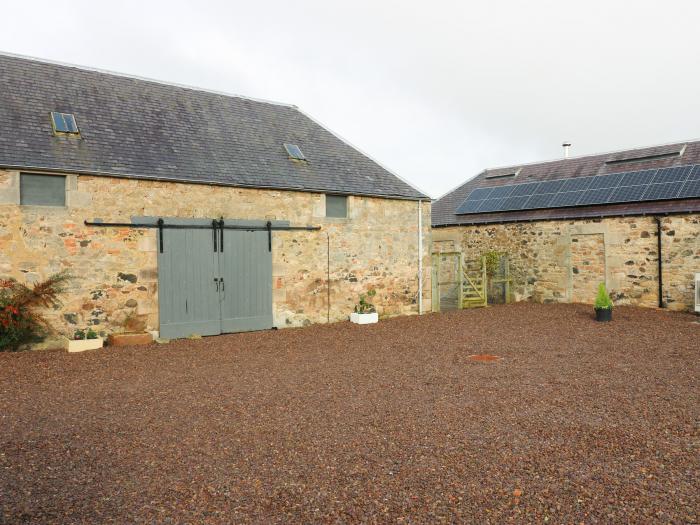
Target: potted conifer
{"points": [[603, 304]]}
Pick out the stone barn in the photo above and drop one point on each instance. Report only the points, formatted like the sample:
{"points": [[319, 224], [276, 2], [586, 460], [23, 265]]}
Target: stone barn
{"points": [[630, 219], [193, 211]]}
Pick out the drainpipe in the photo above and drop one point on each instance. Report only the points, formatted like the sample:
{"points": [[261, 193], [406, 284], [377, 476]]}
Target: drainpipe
{"points": [[660, 269], [420, 258], [328, 277]]}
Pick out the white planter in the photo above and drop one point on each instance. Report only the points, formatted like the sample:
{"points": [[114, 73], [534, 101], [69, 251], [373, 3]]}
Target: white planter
{"points": [[364, 318], [80, 345]]}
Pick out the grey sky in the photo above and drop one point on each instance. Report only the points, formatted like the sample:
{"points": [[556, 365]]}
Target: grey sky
{"points": [[435, 91]]}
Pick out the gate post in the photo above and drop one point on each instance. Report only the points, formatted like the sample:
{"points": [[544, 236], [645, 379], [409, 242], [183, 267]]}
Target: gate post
{"points": [[507, 277], [460, 293], [484, 283], [435, 287]]}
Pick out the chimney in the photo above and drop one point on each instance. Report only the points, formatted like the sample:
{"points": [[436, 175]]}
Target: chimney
{"points": [[566, 147]]}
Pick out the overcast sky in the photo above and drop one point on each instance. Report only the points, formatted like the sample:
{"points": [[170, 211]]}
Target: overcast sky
{"points": [[436, 91]]}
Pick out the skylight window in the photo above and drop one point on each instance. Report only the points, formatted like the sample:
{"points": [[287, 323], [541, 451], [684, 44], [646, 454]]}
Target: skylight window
{"points": [[502, 173], [64, 123], [294, 152], [647, 154]]}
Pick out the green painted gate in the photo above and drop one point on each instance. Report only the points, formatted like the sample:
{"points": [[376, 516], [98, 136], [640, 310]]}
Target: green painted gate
{"points": [[211, 283]]}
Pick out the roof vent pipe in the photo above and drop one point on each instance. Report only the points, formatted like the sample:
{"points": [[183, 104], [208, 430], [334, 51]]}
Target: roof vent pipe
{"points": [[566, 147]]}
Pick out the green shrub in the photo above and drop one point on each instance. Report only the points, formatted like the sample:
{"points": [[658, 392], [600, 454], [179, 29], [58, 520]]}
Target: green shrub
{"points": [[602, 300], [493, 260], [364, 306], [21, 321]]}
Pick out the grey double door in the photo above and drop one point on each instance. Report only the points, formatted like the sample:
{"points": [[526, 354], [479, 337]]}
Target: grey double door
{"points": [[214, 282]]}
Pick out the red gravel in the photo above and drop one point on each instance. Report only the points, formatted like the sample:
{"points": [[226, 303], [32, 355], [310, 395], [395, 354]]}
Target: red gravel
{"points": [[579, 422]]}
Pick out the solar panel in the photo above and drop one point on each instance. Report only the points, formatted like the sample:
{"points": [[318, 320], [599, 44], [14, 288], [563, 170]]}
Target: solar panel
{"points": [[491, 205], [469, 206], [628, 193], [635, 178], [515, 203], [690, 189], [596, 196], [550, 186], [480, 193], [501, 192], [695, 174], [579, 183], [668, 190], [605, 181], [678, 182], [570, 198], [539, 201], [679, 173], [524, 189]]}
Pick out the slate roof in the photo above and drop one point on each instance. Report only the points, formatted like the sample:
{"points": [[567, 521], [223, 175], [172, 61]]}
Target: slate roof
{"points": [[443, 209], [148, 129]]}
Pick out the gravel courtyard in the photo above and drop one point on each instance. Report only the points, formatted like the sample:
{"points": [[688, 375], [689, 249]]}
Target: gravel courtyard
{"points": [[391, 423]]}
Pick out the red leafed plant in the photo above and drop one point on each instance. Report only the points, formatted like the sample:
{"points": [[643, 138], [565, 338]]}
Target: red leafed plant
{"points": [[21, 320]]}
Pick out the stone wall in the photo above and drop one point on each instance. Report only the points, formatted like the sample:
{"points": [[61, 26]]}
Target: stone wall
{"points": [[116, 268], [564, 260]]}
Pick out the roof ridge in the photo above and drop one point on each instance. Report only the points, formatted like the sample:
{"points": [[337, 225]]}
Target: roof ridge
{"points": [[599, 154], [144, 79]]}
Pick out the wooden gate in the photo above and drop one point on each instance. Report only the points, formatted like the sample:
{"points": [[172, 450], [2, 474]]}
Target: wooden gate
{"points": [[446, 281], [474, 289], [457, 283], [499, 281]]}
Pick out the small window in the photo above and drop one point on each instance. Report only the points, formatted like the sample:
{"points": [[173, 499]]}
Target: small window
{"points": [[64, 123], [294, 152], [42, 190], [502, 173], [337, 206]]}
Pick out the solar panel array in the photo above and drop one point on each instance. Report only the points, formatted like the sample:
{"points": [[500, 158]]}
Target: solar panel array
{"points": [[678, 182]]}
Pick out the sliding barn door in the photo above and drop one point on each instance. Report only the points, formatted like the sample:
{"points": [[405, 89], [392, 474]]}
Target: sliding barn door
{"points": [[245, 267], [206, 286], [187, 291]]}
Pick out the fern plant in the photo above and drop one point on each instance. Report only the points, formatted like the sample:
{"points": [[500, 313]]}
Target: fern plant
{"points": [[602, 300], [21, 319]]}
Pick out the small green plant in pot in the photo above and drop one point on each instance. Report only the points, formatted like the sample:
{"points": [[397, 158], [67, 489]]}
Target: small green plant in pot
{"points": [[84, 339], [603, 304], [365, 312]]}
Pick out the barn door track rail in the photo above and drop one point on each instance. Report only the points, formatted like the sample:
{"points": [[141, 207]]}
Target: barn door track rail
{"points": [[217, 226]]}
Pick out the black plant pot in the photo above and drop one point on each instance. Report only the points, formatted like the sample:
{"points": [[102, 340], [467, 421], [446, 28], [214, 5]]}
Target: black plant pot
{"points": [[603, 314]]}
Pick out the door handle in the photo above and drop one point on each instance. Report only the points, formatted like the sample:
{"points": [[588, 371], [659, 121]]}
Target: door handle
{"points": [[223, 286], [216, 280]]}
